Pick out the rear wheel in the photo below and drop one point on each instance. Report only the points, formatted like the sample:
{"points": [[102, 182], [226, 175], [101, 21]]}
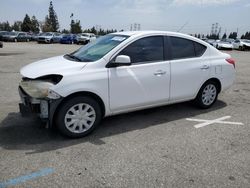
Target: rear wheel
{"points": [[78, 117], [242, 48], [207, 95]]}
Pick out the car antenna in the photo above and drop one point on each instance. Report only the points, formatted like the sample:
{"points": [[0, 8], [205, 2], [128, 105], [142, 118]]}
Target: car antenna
{"points": [[182, 26]]}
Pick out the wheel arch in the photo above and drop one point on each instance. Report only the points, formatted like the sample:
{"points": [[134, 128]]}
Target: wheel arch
{"points": [[216, 80], [77, 94]]}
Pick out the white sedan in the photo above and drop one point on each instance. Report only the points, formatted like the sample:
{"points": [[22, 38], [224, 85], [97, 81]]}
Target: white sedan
{"points": [[241, 44], [123, 72], [224, 45]]}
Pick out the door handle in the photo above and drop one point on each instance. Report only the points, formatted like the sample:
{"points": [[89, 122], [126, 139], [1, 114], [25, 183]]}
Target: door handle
{"points": [[204, 67], [159, 73]]}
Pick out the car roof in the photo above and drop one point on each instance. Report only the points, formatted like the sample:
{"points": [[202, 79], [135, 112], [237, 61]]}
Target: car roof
{"points": [[152, 32], [131, 33]]}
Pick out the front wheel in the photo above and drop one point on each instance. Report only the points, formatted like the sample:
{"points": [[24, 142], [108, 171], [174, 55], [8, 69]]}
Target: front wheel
{"points": [[78, 117], [207, 95]]}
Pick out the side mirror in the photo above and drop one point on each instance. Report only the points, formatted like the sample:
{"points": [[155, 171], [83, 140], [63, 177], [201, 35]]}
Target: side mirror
{"points": [[123, 60], [120, 60]]}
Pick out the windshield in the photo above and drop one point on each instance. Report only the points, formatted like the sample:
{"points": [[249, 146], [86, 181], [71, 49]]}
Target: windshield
{"points": [[97, 49], [12, 33], [47, 34], [85, 35]]}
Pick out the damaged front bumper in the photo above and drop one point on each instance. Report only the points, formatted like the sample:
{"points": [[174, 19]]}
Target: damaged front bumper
{"points": [[44, 108]]}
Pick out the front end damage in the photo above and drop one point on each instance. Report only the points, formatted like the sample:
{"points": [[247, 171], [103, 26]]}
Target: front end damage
{"points": [[38, 99]]}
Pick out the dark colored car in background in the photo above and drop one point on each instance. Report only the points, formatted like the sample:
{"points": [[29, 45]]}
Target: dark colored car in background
{"points": [[17, 37], [69, 39], [2, 33]]}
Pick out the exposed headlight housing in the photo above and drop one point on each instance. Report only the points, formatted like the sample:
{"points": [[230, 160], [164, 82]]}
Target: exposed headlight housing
{"points": [[40, 87]]}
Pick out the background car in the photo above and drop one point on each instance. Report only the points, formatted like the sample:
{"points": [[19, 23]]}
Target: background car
{"points": [[241, 44], [69, 39], [224, 44], [17, 37], [2, 33], [210, 41], [85, 38], [46, 37], [57, 37]]}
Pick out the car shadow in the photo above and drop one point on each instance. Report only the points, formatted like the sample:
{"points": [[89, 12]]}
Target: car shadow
{"points": [[29, 134]]}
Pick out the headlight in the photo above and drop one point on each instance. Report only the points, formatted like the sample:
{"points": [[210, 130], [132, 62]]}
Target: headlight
{"points": [[39, 89]]}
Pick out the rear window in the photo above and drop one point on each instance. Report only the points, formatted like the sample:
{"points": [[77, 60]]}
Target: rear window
{"points": [[199, 49], [183, 48]]}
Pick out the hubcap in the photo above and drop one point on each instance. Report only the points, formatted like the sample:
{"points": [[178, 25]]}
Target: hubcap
{"points": [[209, 94], [80, 118]]}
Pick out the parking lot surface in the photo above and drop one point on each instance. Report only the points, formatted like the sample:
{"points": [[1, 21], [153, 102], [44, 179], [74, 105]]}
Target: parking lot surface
{"points": [[159, 147]]}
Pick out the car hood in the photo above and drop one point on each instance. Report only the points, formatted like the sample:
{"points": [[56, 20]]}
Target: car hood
{"points": [[55, 65], [46, 37]]}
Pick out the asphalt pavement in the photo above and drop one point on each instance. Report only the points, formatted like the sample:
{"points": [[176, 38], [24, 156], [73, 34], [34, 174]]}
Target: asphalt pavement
{"points": [[159, 147]]}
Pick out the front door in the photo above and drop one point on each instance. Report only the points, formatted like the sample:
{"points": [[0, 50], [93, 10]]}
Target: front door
{"points": [[146, 81]]}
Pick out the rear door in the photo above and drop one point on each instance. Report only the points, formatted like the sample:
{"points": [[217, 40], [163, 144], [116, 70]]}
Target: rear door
{"points": [[146, 81], [189, 69]]}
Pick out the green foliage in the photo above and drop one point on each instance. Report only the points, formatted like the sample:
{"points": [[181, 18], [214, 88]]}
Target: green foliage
{"points": [[233, 35], [5, 26], [34, 25], [213, 36], [51, 23], [246, 36], [224, 36], [26, 25], [17, 26], [75, 26]]}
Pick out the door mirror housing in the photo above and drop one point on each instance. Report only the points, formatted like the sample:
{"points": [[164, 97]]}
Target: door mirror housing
{"points": [[120, 60]]}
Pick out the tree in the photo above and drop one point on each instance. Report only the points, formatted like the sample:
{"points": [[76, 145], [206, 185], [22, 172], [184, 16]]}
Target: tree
{"points": [[233, 35], [34, 25], [224, 36], [51, 23], [26, 25], [5, 26], [46, 27], [17, 26], [65, 31], [53, 18], [75, 26], [246, 36], [93, 30]]}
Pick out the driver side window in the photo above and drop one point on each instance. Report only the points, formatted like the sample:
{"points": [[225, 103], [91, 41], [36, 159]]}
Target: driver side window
{"points": [[148, 49]]}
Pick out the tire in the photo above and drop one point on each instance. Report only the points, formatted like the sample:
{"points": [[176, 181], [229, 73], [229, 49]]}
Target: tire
{"points": [[15, 40], [27, 40], [76, 127], [242, 48], [207, 95]]}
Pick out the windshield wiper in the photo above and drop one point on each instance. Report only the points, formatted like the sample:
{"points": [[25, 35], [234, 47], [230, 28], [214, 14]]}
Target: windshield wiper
{"points": [[73, 57]]}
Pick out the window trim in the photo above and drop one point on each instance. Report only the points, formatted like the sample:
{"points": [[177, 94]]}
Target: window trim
{"points": [[195, 52], [139, 63]]}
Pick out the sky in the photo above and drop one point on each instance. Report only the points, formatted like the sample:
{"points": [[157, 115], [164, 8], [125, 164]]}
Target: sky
{"points": [[193, 16]]}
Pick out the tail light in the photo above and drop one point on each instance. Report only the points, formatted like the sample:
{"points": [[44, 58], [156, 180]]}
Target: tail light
{"points": [[231, 61]]}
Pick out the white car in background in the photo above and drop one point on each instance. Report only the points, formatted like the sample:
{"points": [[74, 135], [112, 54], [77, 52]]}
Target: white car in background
{"points": [[241, 44], [123, 72], [225, 44], [85, 38]]}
